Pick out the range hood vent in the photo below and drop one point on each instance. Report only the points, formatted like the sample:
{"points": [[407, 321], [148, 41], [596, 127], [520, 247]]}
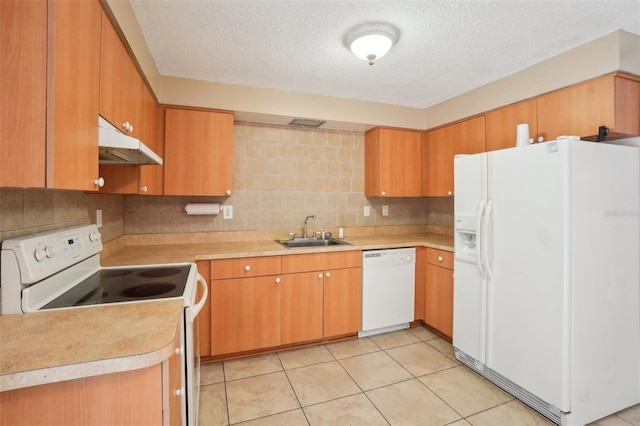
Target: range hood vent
{"points": [[306, 122], [117, 148]]}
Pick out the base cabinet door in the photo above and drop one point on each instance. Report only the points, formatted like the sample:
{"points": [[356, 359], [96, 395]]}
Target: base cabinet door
{"points": [[342, 301], [439, 299], [301, 307], [245, 314]]}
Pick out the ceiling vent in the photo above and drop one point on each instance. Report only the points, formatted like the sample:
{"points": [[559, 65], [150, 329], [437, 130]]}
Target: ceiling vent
{"points": [[306, 122]]}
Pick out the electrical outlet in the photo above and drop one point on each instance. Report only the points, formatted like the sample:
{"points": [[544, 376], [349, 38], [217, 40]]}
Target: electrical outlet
{"points": [[99, 218], [227, 212], [367, 211], [385, 210]]}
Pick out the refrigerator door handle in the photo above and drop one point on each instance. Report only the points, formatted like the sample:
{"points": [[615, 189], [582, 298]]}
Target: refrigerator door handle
{"points": [[485, 239], [479, 239]]}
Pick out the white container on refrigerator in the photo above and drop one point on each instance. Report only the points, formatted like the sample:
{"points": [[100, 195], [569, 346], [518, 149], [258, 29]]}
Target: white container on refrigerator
{"points": [[547, 299]]}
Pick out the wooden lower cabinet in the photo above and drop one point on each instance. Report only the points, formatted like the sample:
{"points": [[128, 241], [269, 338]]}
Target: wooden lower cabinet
{"points": [[270, 301], [146, 396], [245, 314], [342, 301], [302, 296], [438, 310]]}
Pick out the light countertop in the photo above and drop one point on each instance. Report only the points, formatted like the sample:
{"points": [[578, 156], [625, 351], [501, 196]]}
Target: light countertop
{"points": [[51, 346], [191, 252]]}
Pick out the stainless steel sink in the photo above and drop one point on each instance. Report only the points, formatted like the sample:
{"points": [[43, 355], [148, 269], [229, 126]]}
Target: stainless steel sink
{"points": [[310, 242]]}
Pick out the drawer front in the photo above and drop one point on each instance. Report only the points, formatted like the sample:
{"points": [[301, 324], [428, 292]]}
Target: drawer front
{"points": [[245, 267], [440, 258], [321, 261]]}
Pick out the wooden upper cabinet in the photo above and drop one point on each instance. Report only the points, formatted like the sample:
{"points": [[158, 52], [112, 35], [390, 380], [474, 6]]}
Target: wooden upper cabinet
{"points": [[502, 123], [73, 90], [120, 83], [151, 178], [23, 91], [198, 152], [439, 148], [392, 165], [612, 101]]}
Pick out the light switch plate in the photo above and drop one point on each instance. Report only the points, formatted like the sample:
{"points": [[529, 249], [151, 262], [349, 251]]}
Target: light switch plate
{"points": [[227, 212], [385, 210], [367, 211]]}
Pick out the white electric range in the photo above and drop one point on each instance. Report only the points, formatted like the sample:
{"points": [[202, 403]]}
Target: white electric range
{"points": [[61, 270]]}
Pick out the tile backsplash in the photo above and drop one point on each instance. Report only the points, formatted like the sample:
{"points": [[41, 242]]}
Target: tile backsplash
{"points": [[281, 175]]}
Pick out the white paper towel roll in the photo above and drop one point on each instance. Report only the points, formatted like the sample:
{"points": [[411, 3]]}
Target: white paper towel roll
{"points": [[202, 208]]}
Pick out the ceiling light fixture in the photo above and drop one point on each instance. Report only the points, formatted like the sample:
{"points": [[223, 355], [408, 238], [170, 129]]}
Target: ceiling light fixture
{"points": [[371, 41]]}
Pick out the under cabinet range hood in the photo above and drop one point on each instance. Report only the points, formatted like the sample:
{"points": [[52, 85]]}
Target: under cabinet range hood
{"points": [[117, 148]]}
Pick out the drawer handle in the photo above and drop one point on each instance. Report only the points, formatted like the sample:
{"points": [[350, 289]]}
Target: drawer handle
{"points": [[247, 268], [439, 258]]}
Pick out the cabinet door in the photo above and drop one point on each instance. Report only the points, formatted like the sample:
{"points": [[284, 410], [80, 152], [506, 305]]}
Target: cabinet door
{"points": [[301, 307], [502, 123], [73, 93], [198, 152], [392, 163], [113, 75], [579, 110], [439, 299], [437, 163], [23, 90], [245, 314], [421, 282], [440, 146], [151, 180], [342, 301]]}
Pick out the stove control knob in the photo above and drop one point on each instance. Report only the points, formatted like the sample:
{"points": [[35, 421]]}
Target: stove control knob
{"points": [[94, 236], [50, 251], [40, 255]]}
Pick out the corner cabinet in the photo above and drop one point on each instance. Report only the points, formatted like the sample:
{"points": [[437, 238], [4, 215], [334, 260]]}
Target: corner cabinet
{"points": [[439, 148], [392, 166], [198, 152]]}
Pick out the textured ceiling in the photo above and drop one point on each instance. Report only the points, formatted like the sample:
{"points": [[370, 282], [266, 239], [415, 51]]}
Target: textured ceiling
{"points": [[445, 48]]}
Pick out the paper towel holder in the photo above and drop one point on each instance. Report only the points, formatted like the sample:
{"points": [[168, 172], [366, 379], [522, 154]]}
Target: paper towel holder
{"points": [[202, 209]]}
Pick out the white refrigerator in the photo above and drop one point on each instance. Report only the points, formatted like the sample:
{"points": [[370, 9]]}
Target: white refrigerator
{"points": [[547, 275]]}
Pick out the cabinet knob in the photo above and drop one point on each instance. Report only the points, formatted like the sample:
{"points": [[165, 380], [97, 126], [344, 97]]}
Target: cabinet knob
{"points": [[439, 258], [450, 193], [247, 268], [278, 280], [328, 274], [178, 392], [177, 351], [320, 276], [540, 139], [383, 193], [143, 189], [228, 192], [99, 182]]}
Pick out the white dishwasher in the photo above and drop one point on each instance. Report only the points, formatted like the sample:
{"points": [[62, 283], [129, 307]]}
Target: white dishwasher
{"points": [[388, 290]]}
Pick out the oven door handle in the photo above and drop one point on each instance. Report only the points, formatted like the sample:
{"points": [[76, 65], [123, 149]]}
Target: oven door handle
{"points": [[193, 312]]}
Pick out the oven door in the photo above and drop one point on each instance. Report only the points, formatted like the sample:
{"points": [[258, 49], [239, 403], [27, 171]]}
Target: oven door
{"points": [[192, 354]]}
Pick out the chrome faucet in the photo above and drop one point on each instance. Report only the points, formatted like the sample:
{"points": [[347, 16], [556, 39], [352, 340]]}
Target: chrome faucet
{"points": [[304, 233]]}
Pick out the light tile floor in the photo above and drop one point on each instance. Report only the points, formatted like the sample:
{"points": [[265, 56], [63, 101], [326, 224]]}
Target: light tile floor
{"points": [[407, 377]]}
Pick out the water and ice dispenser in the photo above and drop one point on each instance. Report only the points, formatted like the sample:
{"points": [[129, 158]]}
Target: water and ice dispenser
{"points": [[465, 238]]}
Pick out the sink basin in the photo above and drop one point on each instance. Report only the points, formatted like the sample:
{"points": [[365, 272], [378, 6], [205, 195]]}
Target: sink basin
{"points": [[310, 242]]}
